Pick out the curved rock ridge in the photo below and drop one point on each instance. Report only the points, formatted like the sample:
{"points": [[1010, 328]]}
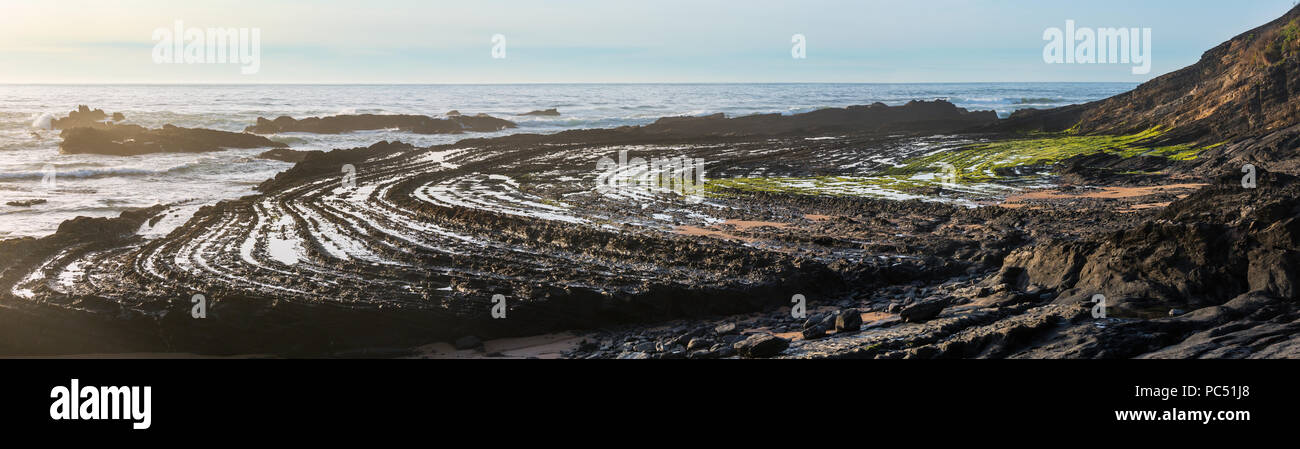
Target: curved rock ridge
{"points": [[419, 124], [394, 245]]}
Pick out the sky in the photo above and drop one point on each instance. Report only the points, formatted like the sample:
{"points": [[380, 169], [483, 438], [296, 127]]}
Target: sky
{"points": [[607, 41]]}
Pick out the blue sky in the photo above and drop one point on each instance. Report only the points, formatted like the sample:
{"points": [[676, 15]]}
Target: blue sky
{"points": [[380, 41]]}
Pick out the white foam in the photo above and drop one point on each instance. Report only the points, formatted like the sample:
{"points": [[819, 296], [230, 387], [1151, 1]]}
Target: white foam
{"points": [[43, 120]]}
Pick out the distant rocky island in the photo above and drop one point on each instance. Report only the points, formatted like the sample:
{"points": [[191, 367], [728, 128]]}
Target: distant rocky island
{"points": [[94, 131], [454, 123]]}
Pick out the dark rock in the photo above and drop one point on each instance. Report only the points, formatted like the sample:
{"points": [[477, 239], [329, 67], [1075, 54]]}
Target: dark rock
{"points": [[84, 117], [814, 332], [468, 342], [761, 346], [546, 112], [26, 203], [703, 354], [725, 351], [824, 319], [924, 310], [915, 116], [130, 140], [669, 346], [849, 320], [286, 155], [673, 353], [698, 343]]}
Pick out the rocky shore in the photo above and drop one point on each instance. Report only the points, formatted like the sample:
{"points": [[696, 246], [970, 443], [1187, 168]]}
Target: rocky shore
{"points": [[1144, 226]]}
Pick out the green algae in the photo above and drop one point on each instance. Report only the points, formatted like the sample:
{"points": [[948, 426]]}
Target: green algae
{"points": [[818, 185], [982, 163], [991, 161]]}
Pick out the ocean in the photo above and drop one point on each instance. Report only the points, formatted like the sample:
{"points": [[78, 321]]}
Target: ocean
{"points": [[103, 186]]}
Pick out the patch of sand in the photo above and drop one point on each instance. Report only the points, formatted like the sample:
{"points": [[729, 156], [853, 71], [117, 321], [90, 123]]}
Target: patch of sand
{"points": [[1143, 206], [706, 232], [739, 225], [1016, 201], [546, 346], [745, 225]]}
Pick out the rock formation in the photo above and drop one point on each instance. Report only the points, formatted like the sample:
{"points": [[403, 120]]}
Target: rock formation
{"points": [[130, 140], [419, 124]]}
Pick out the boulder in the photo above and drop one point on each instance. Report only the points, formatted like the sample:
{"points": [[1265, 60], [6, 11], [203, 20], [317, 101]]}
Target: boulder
{"points": [[924, 310], [814, 332], [761, 346], [848, 320]]}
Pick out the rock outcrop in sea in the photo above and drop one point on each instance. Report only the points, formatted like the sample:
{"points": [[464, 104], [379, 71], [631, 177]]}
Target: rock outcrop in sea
{"points": [[87, 131], [130, 140], [84, 117], [418, 124]]}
